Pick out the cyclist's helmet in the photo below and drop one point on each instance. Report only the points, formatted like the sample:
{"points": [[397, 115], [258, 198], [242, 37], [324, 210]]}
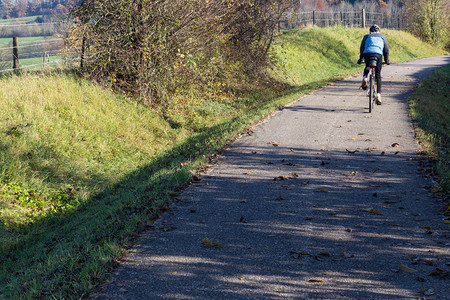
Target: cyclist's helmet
{"points": [[375, 28]]}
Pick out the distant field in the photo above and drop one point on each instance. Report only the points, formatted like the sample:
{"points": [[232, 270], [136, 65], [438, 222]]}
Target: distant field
{"points": [[17, 20], [27, 40], [31, 63]]}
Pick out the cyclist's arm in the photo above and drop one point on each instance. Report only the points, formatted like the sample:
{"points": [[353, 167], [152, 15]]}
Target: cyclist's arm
{"points": [[386, 50], [361, 48]]}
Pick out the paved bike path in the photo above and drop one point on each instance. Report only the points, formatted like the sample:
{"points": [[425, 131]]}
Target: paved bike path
{"points": [[323, 200]]}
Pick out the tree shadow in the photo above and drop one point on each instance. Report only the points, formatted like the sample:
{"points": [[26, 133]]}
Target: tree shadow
{"points": [[312, 235]]}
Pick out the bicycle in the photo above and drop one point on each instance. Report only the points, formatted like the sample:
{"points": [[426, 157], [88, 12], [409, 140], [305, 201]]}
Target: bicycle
{"points": [[372, 85], [372, 90]]}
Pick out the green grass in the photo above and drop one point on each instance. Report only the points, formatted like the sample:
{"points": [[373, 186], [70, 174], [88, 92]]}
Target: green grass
{"points": [[26, 40], [315, 54], [82, 168], [430, 109], [17, 20], [32, 63]]}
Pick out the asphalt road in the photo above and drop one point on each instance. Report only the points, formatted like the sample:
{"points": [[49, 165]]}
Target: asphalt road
{"points": [[321, 201]]}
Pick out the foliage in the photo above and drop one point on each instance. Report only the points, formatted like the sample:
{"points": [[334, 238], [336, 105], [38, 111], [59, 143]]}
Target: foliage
{"points": [[151, 49], [429, 20]]}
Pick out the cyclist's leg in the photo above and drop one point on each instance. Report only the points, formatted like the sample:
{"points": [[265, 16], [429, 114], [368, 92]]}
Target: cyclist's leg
{"points": [[367, 60], [379, 59], [365, 80]]}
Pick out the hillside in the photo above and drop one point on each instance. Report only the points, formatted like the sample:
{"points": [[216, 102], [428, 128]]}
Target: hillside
{"points": [[82, 168]]}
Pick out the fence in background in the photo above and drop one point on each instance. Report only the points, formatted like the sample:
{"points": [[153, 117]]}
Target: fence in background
{"points": [[34, 45], [362, 18], [36, 54]]}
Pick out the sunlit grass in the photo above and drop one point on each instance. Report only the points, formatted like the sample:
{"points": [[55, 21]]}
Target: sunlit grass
{"points": [[16, 20], [27, 40], [430, 109], [314, 54]]}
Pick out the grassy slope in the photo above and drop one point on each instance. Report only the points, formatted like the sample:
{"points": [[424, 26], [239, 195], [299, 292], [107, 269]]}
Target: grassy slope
{"points": [[81, 168], [17, 20], [430, 109], [26, 40]]}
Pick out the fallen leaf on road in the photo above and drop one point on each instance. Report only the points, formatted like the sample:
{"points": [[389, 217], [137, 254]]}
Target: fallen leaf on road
{"points": [[316, 280], [429, 292], [208, 243], [166, 228], [296, 254], [427, 227], [439, 272], [346, 255], [407, 269], [395, 145], [322, 191], [352, 152], [375, 212], [324, 254]]}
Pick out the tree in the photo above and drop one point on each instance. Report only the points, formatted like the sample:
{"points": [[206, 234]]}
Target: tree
{"points": [[34, 6], [426, 19], [6, 9], [21, 8]]}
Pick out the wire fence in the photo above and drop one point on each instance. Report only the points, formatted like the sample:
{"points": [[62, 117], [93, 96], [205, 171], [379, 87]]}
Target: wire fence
{"points": [[36, 54], [351, 18], [35, 45]]}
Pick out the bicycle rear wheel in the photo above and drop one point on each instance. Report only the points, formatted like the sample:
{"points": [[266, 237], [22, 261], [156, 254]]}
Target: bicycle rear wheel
{"points": [[371, 92]]}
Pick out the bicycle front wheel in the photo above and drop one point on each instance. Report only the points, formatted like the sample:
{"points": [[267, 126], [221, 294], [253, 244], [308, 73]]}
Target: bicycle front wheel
{"points": [[371, 93]]}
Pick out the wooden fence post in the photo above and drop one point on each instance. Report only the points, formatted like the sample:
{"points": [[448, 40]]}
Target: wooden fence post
{"points": [[83, 49], [342, 18], [363, 18], [15, 53], [314, 17]]}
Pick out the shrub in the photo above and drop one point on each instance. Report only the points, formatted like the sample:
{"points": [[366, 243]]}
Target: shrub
{"points": [[153, 49]]}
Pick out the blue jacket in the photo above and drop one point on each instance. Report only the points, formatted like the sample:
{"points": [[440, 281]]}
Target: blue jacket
{"points": [[374, 43]]}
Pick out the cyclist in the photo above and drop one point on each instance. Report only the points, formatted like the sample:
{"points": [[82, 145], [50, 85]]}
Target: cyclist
{"points": [[373, 47]]}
